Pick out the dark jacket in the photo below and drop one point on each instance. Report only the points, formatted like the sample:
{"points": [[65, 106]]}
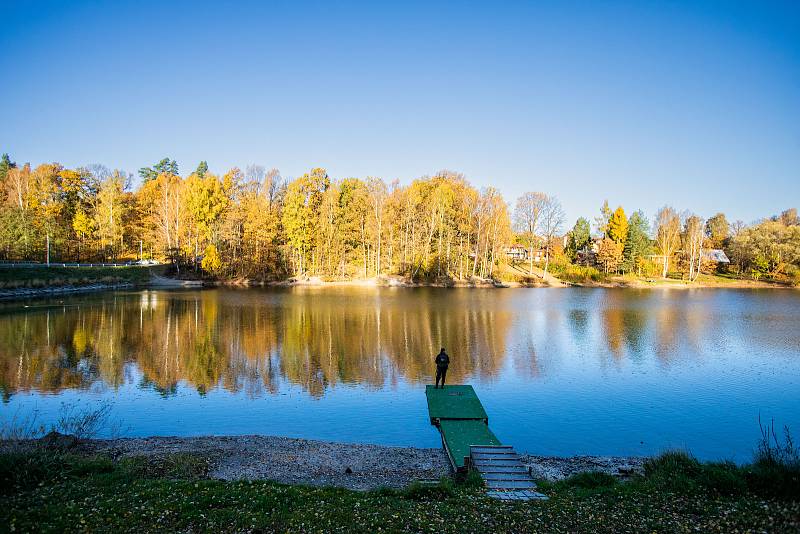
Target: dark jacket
{"points": [[442, 360]]}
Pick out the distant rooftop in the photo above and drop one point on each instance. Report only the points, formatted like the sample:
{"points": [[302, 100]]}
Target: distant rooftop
{"points": [[715, 254]]}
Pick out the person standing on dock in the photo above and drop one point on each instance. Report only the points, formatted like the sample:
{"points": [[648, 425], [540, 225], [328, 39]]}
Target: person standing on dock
{"points": [[442, 361]]}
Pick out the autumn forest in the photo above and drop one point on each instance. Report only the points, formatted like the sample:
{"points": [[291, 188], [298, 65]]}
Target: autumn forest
{"points": [[255, 224]]}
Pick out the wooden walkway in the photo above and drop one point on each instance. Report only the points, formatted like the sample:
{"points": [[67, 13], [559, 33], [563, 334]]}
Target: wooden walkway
{"points": [[459, 415]]}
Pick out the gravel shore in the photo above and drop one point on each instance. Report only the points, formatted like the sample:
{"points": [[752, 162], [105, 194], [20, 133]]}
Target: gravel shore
{"points": [[353, 466], [290, 460]]}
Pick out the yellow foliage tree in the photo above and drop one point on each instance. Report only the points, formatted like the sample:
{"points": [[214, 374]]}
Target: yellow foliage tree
{"points": [[617, 229], [211, 260], [205, 200], [110, 211], [84, 227], [609, 254]]}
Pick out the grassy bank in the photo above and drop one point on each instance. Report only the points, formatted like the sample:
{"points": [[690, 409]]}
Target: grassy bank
{"points": [[702, 281], [591, 276], [38, 277], [50, 491]]}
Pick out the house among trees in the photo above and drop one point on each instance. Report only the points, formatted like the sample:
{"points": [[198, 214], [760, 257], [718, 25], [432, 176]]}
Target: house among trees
{"points": [[588, 254], [516, 253], [715, 255], [520, 253]]}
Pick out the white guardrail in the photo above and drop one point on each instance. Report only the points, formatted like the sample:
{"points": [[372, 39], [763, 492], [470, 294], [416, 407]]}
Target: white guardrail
{"points": [[59, 264]]}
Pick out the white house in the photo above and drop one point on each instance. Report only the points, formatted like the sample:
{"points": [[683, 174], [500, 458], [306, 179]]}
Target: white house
{"points": [[516, 253]]}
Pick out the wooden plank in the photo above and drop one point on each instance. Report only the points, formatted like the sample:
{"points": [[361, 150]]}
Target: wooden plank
{"points": [[516, 475], [491, 457], [519, 495], [510, 461], [502, 469], [510, 484]]}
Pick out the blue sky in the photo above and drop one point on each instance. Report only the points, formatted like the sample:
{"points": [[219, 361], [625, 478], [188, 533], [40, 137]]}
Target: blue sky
{"points": [[692, 104]]}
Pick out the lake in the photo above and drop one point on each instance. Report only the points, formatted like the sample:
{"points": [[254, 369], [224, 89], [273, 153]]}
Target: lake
{"points": [[560, 371]]}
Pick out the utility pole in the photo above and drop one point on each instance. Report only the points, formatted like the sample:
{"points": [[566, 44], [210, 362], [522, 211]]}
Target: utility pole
{"points": [[48, 249]]}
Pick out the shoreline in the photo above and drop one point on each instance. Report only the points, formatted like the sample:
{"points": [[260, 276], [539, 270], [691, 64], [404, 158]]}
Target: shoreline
{"points": [[381, 281], [682, 284], [159, 282], [501, 284], [317, 463], [36, 292]]}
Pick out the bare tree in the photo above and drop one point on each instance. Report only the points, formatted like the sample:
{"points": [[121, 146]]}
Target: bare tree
{"points": [[552, 222], [479, 215], [275, 186], [668, 232], [601, 221], [789, 217], [97, 174], [527, 214], [254, 178], [18, 182]]}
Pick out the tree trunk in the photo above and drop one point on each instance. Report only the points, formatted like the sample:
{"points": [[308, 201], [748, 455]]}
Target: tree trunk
{"points": [[547, 260], [378, 258], [477, 248], [530, 258], [699, 262]]}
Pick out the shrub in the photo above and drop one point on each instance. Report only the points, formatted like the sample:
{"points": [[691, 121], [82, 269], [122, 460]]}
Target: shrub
{"points": [[776, 469], [793, 275], [774, 473], [679, 471], [725, 478], [22, 427], [673, 471], [82, 422], [577, 274]]}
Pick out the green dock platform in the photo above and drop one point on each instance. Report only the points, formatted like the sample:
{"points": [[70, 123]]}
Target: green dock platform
{"points": [[469, 443], [459, 415]]}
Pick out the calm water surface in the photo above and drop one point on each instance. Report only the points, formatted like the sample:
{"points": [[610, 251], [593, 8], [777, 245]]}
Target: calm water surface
{"points": [[560, 371]]}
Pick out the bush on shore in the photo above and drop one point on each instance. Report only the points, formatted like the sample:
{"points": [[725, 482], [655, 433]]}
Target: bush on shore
{"points": [[577, 274]]}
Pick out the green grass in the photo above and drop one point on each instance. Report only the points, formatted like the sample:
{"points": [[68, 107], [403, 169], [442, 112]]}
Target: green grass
{"points": [[679, 473], [51, 492], [33, 277], [577, 274], [583, 483]]}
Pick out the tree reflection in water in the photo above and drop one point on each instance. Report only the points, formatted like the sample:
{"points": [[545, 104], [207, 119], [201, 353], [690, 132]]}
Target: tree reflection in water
{"points": [[251, 340]]}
